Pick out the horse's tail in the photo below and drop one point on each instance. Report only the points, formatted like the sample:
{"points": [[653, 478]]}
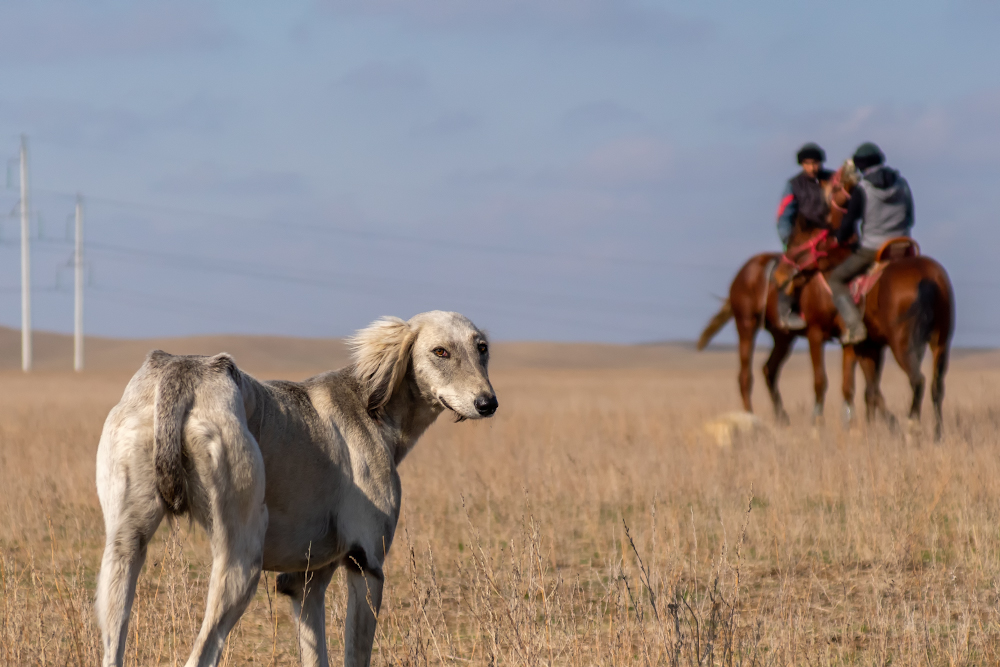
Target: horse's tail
{"points": [[715, 324], [921, 317]]}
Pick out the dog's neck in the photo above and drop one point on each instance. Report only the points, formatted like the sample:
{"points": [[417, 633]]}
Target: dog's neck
{"points": [[406, 416]]}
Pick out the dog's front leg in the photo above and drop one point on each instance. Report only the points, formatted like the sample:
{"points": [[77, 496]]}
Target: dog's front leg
{"points": [[364, 588]]}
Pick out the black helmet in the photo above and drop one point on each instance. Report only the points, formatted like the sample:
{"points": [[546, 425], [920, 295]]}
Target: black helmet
{"points": [[868, 155], [811, 151]]}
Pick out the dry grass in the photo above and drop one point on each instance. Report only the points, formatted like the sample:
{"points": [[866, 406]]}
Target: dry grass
{"points": [[591, 522]]}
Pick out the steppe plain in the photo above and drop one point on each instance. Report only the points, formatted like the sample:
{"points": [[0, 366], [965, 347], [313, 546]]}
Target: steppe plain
{"points": [[592, 521]]}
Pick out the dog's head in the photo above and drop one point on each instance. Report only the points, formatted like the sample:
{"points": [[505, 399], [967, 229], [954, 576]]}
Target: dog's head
{"points": [[444, 354]]}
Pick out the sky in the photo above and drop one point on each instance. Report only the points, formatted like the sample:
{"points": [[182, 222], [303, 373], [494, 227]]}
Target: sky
{"points": [[555, 169]]}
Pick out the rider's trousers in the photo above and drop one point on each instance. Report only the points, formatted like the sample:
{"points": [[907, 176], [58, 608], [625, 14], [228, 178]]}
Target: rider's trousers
{"points": [[841, 275]]}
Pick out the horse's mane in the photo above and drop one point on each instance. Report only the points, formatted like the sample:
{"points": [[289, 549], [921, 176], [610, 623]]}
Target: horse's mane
{"points": [[846, 177]]}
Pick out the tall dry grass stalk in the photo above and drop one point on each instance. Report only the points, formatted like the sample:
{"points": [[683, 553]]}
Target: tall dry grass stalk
{"points": [[589, 523]]}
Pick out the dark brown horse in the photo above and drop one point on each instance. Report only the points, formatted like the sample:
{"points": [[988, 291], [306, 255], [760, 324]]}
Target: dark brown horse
{"points": [[911, 307]]}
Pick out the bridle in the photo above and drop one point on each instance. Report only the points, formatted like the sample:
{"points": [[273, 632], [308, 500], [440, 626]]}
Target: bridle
{"points": [[811, 250]]}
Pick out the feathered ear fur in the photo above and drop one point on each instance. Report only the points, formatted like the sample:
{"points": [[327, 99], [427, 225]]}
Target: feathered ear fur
{"points": [[381, 356]]}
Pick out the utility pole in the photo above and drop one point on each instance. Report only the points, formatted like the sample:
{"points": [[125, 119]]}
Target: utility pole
{"points": [[25, 263], [78, 289]]}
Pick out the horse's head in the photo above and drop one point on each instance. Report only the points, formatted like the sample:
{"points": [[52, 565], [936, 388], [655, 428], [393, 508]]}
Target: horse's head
{"points": [[838, 191]]}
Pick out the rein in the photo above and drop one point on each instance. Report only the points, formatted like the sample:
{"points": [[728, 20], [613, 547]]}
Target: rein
{"points": [[812, 250]]}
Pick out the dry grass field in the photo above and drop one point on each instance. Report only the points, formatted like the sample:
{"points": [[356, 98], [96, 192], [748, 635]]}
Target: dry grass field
{"points": [[592, 521]]}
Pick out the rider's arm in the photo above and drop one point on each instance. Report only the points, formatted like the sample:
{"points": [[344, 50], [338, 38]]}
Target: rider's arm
{"points": [[787, 209], [855, 212]]}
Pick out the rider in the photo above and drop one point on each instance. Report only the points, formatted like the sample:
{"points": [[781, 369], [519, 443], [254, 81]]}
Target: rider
{"points": [[803, 195], [884, 205]]}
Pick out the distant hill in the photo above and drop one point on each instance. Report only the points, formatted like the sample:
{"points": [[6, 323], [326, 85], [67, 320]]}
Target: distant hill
{"points": [[55, 351], [300, 356]]}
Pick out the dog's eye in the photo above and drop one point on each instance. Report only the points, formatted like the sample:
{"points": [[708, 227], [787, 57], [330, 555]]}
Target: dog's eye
{"points": [[483, 348], [441, 352]]}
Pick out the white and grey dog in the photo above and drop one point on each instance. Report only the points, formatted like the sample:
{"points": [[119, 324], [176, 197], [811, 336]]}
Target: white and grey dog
{"points": [[294, 477]]}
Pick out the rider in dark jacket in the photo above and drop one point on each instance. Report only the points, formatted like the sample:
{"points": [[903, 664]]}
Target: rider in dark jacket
{"points": [[803, 195], [883, 204]]}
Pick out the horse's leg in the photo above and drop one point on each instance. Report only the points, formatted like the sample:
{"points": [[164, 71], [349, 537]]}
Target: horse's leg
{"points": [[816, 340], [872, 359], [747, 328], [910, 354], [940, 352], [772, 370], [849, 365]]}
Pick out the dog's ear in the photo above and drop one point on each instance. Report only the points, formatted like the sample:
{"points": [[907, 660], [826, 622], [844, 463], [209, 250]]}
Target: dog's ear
{"points": [[381, 356]]}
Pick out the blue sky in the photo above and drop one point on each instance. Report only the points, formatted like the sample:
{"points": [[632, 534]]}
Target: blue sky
{"points": [[555, 169]]}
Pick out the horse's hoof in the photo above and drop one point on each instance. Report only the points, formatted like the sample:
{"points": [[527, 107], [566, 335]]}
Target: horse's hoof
{"points": [[847, 416], [781, 419], [891, 423], [817, 416], [914, 432]]}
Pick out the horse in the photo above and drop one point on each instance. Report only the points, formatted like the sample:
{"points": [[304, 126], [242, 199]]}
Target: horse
{"points": [[753, 299], [910, 307]]}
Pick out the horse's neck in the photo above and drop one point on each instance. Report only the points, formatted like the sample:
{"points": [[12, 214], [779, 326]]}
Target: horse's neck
{"points": [[802, 232]]}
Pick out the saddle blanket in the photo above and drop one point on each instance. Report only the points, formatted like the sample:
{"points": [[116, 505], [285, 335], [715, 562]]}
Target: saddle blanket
{"points": [[861, 285]]}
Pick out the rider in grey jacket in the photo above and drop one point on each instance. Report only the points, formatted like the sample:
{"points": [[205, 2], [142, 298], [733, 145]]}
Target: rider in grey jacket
{"points": [[883, 204]]}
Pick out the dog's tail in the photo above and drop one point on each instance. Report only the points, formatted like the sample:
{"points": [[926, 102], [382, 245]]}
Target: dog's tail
{"points": [[715, 324], [171, 404]]}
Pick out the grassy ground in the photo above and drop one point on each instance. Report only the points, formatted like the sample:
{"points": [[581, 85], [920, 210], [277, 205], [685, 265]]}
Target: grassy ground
{"points": [[591, 522]]}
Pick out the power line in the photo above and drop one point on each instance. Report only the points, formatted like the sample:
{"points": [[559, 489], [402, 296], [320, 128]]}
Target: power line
{"points": [[395, 237]]}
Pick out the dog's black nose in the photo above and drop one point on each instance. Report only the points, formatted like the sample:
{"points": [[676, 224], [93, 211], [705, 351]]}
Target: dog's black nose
{"points": [[486, 405]]}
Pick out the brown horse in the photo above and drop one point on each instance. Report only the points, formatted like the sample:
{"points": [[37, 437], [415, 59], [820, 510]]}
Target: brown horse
{"points": [[753, 299], [911, 307]]}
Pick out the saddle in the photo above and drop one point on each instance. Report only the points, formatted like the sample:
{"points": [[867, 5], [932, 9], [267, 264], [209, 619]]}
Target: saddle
{"points": [[893, 249]]}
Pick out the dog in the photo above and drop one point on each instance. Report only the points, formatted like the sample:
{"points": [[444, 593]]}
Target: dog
{"points": [[294, 477]]}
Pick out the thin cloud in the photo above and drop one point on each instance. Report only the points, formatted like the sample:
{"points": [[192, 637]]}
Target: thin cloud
{"points": [[629, 162], [599, 114], [380, 77], [611, 20], [80, 124], [60, 31], [212, 179], [447, 124], [960, 132]]}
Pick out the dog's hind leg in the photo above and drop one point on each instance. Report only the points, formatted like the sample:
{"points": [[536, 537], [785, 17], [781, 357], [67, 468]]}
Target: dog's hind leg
{"points": [[308, 593], [236, 519], [132, 511]]}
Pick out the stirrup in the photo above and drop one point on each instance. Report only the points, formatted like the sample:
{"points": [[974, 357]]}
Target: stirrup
{"points": [[792, 322], [851, 336]]}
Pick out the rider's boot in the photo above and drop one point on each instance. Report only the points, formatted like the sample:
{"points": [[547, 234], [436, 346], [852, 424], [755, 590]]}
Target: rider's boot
{"points": [[788, 318], [854, 327]]}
